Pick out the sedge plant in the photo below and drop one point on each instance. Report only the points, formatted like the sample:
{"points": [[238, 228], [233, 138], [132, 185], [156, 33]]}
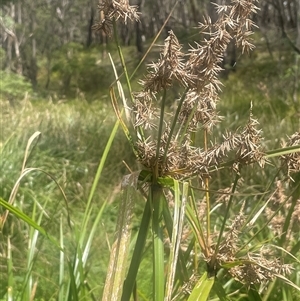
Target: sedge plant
{"points": [[206, 243]]}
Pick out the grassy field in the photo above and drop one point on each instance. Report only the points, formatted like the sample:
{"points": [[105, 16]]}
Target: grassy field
{"points": [[57, 179]]}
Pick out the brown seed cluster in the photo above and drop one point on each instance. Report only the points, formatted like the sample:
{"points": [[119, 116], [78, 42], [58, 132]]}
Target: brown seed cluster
{"points": [[277, 212], [258, 269], [168, 68], [292, 161], [114, 9], [197, 71], [253, 268]]}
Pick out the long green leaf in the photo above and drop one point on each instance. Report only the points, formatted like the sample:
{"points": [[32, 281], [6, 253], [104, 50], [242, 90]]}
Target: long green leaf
{"points": [[219, 290], [183, 274], [101, 164], [19, 214], [202, 289], [283, 151], [137, 253]]}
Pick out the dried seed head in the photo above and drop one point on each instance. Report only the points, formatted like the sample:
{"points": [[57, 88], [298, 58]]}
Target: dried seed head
{"points": [[233, 22], [104, 25], [199, 74], [170, 66], [258, 269], [114, 9], [145, 112], [292, 161], [147, 152], [296, 217], [250, 150], [199, 108]]}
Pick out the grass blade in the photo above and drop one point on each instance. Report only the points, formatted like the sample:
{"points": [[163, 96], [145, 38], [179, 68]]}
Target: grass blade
{"points": [[19, 214], [27, 154], [283, 151], [202, 288], [121, 91], [101, 164], [61, 262], [137, 253], [10, 284]]}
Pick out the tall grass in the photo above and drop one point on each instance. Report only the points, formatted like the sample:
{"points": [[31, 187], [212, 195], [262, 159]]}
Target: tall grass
{"points": [[46, 183], [210, 213]]}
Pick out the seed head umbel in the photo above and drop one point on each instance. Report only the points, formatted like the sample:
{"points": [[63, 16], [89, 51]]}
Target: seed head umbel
{"points": [[114, 10], [169, 67]]}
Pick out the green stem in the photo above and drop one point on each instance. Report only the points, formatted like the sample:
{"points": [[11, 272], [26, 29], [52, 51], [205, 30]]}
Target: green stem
{"points": [[122, 60], [158, 242], [288, 219], [140, 130]]}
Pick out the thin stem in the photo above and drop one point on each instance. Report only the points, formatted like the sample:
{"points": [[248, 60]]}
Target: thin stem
{"points": [[226, 213], [174, 122], [140, 130], [207, 197], [154, 40], [122, 60], [189, 120], [161, 123]]}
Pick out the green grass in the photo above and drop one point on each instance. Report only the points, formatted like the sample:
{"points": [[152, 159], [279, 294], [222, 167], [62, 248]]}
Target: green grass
{"points": [[73, 140]]}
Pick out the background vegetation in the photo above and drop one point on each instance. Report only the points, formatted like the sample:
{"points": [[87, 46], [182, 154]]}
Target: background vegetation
{"points": [[55, 77]]}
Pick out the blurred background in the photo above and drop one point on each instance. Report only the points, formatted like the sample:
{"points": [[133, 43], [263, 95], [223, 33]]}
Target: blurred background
{"points": [[48, 46]]}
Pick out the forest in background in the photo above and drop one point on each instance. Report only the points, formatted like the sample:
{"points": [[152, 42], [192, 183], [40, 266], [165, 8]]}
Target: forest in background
{"points": [[53, 45]]}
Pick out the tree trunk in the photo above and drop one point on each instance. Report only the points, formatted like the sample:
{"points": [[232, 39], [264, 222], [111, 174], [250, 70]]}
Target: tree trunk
{"points": [[90, 31], [298, 23], [14, 39]]}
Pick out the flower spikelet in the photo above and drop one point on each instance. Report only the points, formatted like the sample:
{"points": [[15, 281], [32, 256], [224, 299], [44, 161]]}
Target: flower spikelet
{"points": [[220, 151], [147, 152], [170, 66], [249, 151], [115, 9], [145, 113], [292, 161], [258, 269], [199, 108], [233, 22]]}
